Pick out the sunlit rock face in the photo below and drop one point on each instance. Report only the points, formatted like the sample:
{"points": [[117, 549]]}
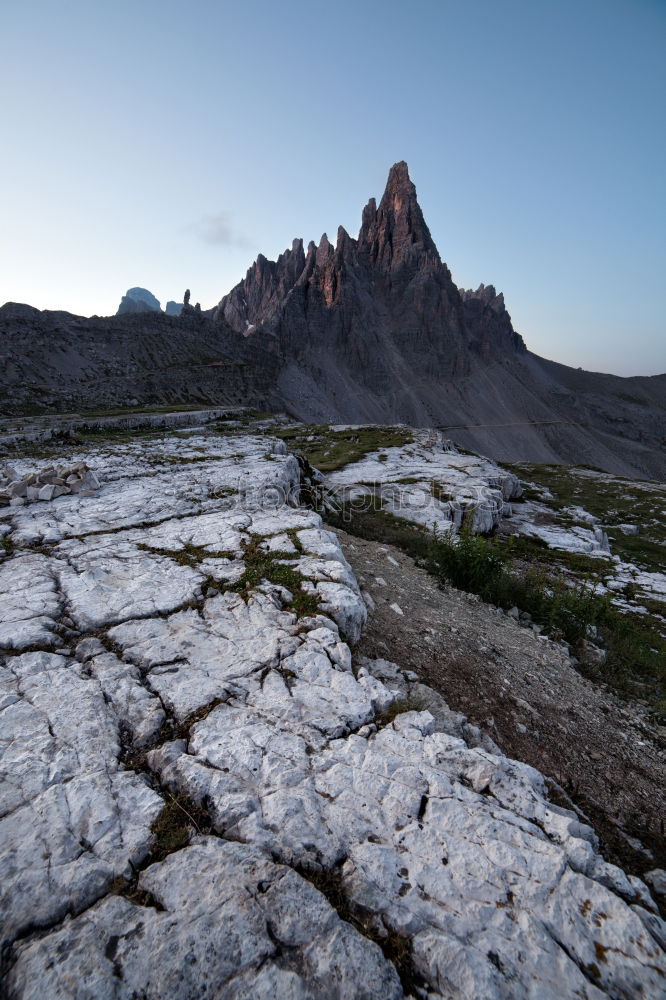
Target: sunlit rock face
{"points": [[205, 794], [383, 301]]}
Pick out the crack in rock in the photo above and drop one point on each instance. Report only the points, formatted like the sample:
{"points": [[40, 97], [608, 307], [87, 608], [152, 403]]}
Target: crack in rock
{"points": [[233, 707]]}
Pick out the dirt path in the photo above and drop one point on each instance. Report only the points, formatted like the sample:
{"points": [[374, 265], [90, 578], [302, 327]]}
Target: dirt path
{"points": [[523, 691]]}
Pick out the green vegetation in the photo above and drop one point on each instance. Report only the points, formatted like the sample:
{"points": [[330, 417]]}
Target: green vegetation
{"points": [[614, 501], [173, 827], [188, 555], [243, 423], [535, 550], [328, 449], [399, 706], [179, 820], [262, 565], [567, 608], [440, 492], [653, 606], [7, 546], [644, 551]]}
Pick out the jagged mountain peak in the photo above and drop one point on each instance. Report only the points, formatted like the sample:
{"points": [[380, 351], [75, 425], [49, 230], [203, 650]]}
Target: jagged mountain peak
{"points": [[399, 186], [396, 234], [360, 330], [487, 294], [390, 277], [394, 241]]}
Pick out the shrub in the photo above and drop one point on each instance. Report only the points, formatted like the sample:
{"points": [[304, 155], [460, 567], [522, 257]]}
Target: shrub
{"points": [[567, 609], [469, 562]]}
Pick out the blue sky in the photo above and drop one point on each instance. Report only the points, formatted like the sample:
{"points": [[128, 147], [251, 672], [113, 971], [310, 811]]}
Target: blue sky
{"points": [[165, 144]]}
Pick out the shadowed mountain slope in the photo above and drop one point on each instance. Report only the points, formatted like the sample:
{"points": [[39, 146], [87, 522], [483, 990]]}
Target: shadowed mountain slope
{"points": [[374, 329], [371, 329], [55, 361]]}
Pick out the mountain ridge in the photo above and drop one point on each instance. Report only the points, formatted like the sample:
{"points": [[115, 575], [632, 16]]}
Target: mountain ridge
{"points": [[374, 329], [369, 329]]}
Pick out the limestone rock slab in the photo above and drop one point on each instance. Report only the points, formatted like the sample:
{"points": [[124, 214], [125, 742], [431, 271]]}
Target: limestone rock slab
{"points": [[428, 482], [449, 844], [72, 818], [109, 579], [300, 757], [30, 602], [231, 924]]}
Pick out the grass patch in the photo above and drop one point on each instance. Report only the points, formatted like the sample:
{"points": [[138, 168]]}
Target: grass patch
{"points": [[642, 550], [189, 555], [652, 605], [537, 550], [179, 820], [7, 545], [328, 449], [440, 492], [262, 565], [614, 501], [174, 825], [397, 707], [636, 652]]}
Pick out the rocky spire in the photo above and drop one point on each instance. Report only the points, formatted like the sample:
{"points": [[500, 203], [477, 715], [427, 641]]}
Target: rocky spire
{"points": [[396, 234], [370, 301]]}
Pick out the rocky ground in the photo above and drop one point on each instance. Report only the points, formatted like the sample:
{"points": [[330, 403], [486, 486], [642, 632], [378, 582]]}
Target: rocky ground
{"points": [[430, 482], [523, 690], [205, 794]]}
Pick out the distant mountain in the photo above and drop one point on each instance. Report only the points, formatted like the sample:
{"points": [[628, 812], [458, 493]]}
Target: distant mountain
{"points": [[138, 300], [371, 329]]}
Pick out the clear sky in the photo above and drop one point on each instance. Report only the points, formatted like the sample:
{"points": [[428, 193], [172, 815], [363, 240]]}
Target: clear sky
{"points": [[164, 144]]}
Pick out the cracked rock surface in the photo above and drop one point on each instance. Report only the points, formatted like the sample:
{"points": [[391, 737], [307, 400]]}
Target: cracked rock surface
{"points": [[432, 483], [224, 921], [72, 818], [179, 644]]}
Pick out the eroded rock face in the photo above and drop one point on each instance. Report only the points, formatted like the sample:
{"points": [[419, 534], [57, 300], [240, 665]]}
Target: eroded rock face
{"points": [[383, 304], [199, 656], [489, 323], [373, 329]]}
